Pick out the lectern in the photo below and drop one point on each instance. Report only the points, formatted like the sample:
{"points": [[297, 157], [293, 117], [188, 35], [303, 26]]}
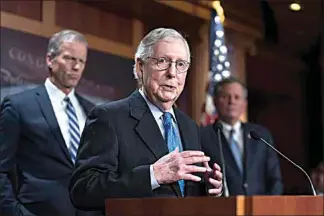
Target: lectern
{"points": [[203, 206]]}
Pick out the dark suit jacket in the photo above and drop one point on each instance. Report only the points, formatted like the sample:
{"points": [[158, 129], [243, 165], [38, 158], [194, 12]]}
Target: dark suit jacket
{"points": [[31, 142], [120, 142], [261, 165]]}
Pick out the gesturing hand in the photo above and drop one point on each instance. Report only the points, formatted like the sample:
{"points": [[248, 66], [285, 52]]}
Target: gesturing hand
{"points": [[179, 165], [214, 179]]}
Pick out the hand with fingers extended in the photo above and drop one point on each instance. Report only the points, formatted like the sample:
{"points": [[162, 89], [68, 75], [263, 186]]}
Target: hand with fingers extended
{"points": [[179, 165], [213, 178]]}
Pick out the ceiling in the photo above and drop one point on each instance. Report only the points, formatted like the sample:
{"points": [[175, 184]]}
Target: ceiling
{"points": [[298, 31], [153, 13]]}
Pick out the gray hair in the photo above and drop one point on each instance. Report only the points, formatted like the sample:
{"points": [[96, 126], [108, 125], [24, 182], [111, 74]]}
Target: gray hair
{"points": [[58, 38], [227, 81], [145, 48]]}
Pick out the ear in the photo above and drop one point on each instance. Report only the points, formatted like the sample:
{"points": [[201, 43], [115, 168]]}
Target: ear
{"points": [[49, 61], [139, 68], [245, 105]]}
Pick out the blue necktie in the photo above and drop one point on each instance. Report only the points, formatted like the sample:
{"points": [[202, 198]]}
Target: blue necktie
{"points": [[236, 151], [173, 140], [74, 129]]}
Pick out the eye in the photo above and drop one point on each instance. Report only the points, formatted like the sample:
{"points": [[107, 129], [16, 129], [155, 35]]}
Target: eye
{"points": [[238, 97], [162, 61], [181, 64], [69, 58]]}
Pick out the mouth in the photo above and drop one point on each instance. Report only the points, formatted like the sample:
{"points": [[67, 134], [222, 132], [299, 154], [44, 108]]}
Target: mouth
{"points": [[73, 76], [168, 87]]}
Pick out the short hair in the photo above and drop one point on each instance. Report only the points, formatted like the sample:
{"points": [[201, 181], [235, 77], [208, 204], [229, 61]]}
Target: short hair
{"points": [[227, 81], [145, 47], [58, 38]]}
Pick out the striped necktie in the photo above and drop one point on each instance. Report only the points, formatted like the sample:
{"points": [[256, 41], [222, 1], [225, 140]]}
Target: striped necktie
{"points": [[74, 129], [236, 151], [173, 141]]}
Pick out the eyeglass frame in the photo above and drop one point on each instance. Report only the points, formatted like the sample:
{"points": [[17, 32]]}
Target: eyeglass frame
{"points": [[170, 63]]}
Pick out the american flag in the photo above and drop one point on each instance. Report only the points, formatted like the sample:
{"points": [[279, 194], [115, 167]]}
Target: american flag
{"points": [[219, 65]]}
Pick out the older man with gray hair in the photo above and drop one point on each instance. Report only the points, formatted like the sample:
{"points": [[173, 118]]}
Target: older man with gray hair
{"points": [[39, 134], [143, 146]]}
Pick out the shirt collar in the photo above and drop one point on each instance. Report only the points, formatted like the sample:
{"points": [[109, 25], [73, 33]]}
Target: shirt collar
{"points": [[228, 127], [157, 112], [56, 93]]}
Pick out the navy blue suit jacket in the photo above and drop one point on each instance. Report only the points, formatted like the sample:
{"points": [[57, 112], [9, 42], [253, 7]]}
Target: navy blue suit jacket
{"points": [[262, 174], [119, 143], [31, 144]]}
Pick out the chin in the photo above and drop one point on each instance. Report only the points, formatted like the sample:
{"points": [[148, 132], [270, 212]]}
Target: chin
{"points": [[169, 97], [166, 99], [73, 84], [70, 86]]}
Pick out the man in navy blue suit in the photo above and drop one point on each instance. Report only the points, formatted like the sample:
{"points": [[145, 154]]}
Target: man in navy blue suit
{"points": [[143, 146], [39, 133], [252, 168]]}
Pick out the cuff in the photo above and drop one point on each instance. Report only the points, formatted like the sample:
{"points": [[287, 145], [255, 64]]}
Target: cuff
{"points": [[154, 183]]}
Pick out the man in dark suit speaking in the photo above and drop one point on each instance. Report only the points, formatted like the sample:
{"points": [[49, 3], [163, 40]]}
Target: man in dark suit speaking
{"points": [[39, 134], [143, 146], [252, 168]]}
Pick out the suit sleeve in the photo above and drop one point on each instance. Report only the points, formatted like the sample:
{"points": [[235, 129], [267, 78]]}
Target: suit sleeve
{"points": [[274, 180], [9, 139], [97, 175]]}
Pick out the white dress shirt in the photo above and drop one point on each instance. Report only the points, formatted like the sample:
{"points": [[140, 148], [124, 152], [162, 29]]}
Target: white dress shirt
{"points": [[238, 133], [59, 106], [158, 116]]}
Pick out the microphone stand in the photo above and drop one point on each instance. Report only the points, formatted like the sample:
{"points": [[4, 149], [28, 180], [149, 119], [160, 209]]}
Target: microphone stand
{"points": [[220, 143]]}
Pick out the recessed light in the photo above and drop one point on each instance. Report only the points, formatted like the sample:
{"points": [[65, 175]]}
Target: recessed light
{"points": [[295, 6]]}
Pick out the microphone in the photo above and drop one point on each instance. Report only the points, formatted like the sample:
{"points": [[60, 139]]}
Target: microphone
{"points": [[219, 128], [256, 136]]}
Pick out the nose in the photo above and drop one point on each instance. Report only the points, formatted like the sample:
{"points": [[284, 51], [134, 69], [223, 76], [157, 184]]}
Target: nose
{"points": [[172, 71], [76, 66], [231, 99]]}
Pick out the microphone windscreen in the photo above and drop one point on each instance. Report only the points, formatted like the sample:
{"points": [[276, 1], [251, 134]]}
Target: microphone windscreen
{"points": [[255, 135]]}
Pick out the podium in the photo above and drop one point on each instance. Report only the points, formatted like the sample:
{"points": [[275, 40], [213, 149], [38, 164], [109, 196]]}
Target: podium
{"points": [[203, 206]]}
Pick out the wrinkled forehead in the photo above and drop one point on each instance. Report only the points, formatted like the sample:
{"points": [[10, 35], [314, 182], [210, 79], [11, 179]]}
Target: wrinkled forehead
{"points": [[73, 47], [173, 48]]}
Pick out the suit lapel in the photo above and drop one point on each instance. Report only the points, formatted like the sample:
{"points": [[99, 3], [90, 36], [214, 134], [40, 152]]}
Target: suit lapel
{"points": [[86, 105], [184, 131], [228, 155], [187, 144], [249, 149], [147, 127], [45, 105], [149, 131]]}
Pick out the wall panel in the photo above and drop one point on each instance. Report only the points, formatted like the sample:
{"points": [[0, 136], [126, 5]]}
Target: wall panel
{"points": [[93, 21], [27, 9]]}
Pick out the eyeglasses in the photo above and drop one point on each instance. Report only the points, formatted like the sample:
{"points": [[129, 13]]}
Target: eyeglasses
{"points": [[73, 60], [164, 63]]}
